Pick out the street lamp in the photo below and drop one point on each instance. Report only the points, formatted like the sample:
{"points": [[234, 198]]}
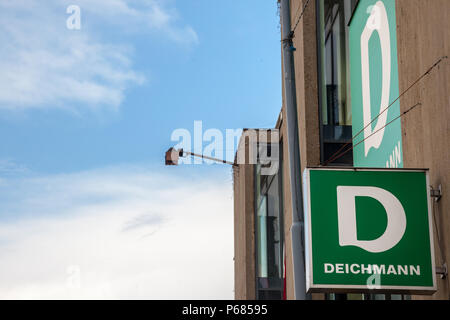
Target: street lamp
{"points": [[173, 155]]}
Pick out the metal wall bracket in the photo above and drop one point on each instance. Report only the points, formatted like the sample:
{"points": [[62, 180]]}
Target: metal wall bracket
{"points": [[436, 193], [443, 271]]}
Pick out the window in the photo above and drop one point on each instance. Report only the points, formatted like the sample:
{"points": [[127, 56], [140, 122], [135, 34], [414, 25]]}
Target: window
{"points": [[334, 90], [269, 235]]}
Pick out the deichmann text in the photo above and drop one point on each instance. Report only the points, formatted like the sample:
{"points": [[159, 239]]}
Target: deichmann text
{"points": [[345, 268]]}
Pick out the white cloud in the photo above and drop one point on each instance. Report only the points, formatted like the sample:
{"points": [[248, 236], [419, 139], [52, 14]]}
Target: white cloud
{"points": [[118, 233], [46, 65]]}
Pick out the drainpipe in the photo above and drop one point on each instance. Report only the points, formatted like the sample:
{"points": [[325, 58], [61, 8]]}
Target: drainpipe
{"points": [[297, 228]]}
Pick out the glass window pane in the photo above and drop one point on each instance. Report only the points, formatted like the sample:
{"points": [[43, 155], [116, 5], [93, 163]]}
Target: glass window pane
{"points": [[262, 239]]}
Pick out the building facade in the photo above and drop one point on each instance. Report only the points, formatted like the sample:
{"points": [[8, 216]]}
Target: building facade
{"points": [[373, 90]]}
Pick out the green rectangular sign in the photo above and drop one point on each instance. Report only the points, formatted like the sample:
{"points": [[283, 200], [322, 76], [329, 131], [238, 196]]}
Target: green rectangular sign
{"points": [[374, 85], [368, 230]]}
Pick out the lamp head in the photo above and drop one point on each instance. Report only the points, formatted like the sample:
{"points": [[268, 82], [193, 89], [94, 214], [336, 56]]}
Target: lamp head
{"points": [[172, 156]]}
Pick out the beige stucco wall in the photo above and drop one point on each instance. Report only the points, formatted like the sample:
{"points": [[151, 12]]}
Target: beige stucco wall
{"points": [[423, 36]]}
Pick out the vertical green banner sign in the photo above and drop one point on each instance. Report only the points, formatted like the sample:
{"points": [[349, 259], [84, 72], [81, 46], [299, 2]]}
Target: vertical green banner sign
{"points": [[374, 85]]}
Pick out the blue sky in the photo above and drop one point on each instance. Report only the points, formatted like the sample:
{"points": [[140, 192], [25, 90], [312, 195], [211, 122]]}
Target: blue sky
{"points": [[226, 73], [85, 118]]}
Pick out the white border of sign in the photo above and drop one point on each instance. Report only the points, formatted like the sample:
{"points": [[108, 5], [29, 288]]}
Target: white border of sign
{"points": [[333, 288]]}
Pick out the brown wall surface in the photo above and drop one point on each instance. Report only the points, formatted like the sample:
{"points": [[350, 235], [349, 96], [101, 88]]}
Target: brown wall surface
{"points": [[244, 249], [423, 37]]}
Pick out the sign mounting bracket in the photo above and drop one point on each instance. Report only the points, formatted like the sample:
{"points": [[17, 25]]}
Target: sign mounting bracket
{"points": [[442, 271]]}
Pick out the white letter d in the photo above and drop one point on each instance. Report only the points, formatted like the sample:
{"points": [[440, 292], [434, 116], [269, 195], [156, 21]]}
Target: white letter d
{"points": [[396, 222]]}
